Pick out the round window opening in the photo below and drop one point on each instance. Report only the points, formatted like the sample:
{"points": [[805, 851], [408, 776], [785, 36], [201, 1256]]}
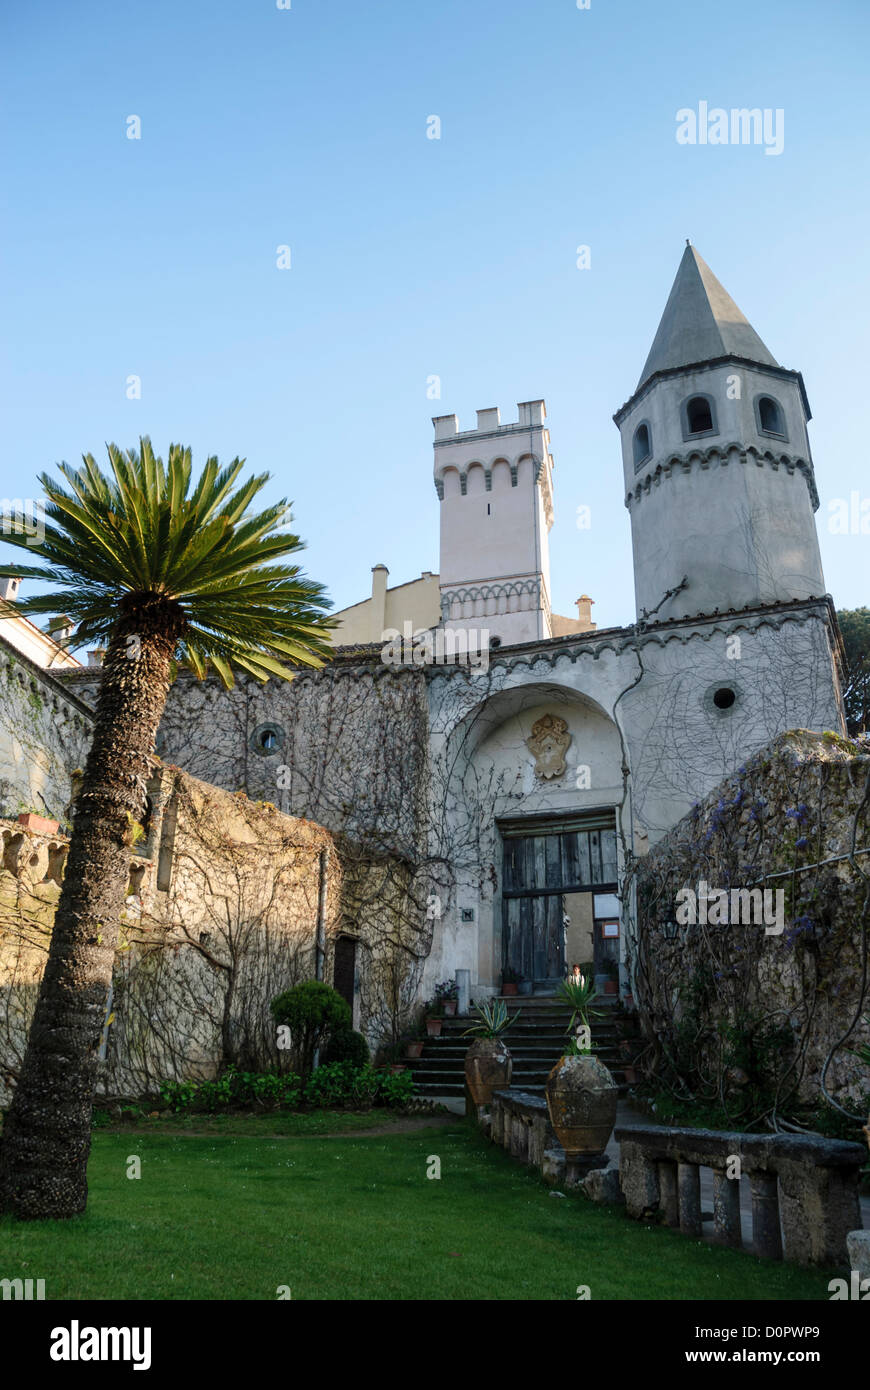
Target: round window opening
{"points": [[268, 738], [724, 697]]}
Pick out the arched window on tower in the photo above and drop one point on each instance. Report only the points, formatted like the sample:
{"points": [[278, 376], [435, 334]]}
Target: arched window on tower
{"points": [[699, 415], [770, 417], [641, 445]]}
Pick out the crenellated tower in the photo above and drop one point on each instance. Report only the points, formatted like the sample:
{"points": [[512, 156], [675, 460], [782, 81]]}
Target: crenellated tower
{"points": [[495, 485]]}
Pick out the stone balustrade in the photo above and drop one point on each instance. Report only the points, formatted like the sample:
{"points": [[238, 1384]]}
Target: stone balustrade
{"points": [[804, 1187], [520, 1122], [35, 859]]}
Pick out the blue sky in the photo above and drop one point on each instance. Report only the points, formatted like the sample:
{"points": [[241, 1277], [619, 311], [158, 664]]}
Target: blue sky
{"points": [[414, 257]]}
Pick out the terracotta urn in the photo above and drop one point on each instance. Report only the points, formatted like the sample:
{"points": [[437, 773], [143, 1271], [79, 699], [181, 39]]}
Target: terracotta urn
{"points": [[433, 1027], [488, 1067], [581, 1099], [450, 1008], [414, 1047]]}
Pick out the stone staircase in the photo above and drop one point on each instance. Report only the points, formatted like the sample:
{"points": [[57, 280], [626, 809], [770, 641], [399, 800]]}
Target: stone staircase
{"points": [[535, 1041]]}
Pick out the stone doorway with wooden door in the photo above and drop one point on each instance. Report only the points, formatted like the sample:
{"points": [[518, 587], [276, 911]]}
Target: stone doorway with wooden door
{"points": [[559, 880]]}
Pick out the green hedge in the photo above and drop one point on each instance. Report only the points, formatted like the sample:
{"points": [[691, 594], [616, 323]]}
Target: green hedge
{"points": [[335, 1084]]}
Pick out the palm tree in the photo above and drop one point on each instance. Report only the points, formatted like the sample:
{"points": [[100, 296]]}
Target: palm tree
{"points": [[164, 575]]}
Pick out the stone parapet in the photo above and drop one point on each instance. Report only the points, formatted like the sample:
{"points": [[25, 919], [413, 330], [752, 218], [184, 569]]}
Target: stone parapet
{"points": [[804, 1187]]}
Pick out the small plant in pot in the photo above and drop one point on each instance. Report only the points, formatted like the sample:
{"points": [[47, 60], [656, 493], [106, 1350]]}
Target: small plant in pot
{"points": [[39, 824], [510, 980], [413, 1041], [626, 1054], [488, 1063], [611, 984], [392, 1057], [433, 1011], [448, 994]]}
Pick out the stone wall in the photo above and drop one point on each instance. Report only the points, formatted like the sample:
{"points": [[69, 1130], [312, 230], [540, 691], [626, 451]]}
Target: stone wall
{"points": [[45, 730], [221, 915], [756, 1012]]}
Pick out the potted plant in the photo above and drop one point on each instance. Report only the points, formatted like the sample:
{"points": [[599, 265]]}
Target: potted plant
{"points": [[611, 983], [488, 1062], [448, 994], [581, 1092], [510, 978], [40, 825], [626, 1053], [412, 1042], [433, 1010]]}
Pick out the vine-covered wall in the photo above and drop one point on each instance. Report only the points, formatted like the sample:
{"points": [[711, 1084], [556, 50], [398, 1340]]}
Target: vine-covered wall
{"points": [[221, 915], [762, 1017], [45, 732]]}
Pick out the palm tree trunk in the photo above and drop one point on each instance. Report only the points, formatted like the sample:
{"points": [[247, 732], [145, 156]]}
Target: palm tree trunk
{"points": [[47, 1132]]}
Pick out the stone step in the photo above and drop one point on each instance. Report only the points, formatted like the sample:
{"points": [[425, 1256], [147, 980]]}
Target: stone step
{"points": [[455, 1057], [521, 1079], [523, 1029], [450, 1088]]}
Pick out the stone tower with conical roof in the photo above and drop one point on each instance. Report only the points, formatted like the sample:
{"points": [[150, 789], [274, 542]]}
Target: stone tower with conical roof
{"points": [[718, 471]]}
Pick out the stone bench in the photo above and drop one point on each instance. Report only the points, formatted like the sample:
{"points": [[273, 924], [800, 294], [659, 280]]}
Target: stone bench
{"points": [[804, 1187]]}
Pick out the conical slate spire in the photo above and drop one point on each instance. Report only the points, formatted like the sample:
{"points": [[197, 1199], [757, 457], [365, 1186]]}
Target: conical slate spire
{"points": [[701, 322]]}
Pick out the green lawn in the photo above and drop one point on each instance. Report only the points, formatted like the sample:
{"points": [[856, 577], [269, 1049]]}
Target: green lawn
{"points": [[282, 1122], [236, 1214]]}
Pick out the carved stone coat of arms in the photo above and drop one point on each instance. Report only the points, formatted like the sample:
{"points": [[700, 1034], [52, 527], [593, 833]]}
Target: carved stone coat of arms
{"points": [[548, 746]]}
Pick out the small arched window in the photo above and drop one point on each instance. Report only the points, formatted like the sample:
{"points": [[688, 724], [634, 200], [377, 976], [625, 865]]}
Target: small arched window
{"points": [[642, 446], [699, 415], [770, 418]]}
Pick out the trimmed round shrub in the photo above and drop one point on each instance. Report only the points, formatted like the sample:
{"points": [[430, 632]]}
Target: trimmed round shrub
{"points": [[311, 1011], [346, 1045]]}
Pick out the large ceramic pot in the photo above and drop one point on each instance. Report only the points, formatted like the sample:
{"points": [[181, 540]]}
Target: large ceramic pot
{"points": [[488, 1068], [581, 1099]]}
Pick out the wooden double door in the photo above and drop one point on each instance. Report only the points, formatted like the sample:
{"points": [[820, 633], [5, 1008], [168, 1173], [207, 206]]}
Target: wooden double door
{"points": [[546, 862]]}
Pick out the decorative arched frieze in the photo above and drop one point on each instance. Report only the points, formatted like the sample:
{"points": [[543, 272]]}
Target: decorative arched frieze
{"points": [[723, 454]]}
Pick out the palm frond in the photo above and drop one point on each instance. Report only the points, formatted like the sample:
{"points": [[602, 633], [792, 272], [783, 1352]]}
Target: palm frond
{"points": [[138, 531]]}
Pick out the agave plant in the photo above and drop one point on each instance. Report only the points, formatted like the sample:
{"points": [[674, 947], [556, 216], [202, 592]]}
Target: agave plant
{"points": [[578, 992], [492, 1019], [577, 1046]]}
